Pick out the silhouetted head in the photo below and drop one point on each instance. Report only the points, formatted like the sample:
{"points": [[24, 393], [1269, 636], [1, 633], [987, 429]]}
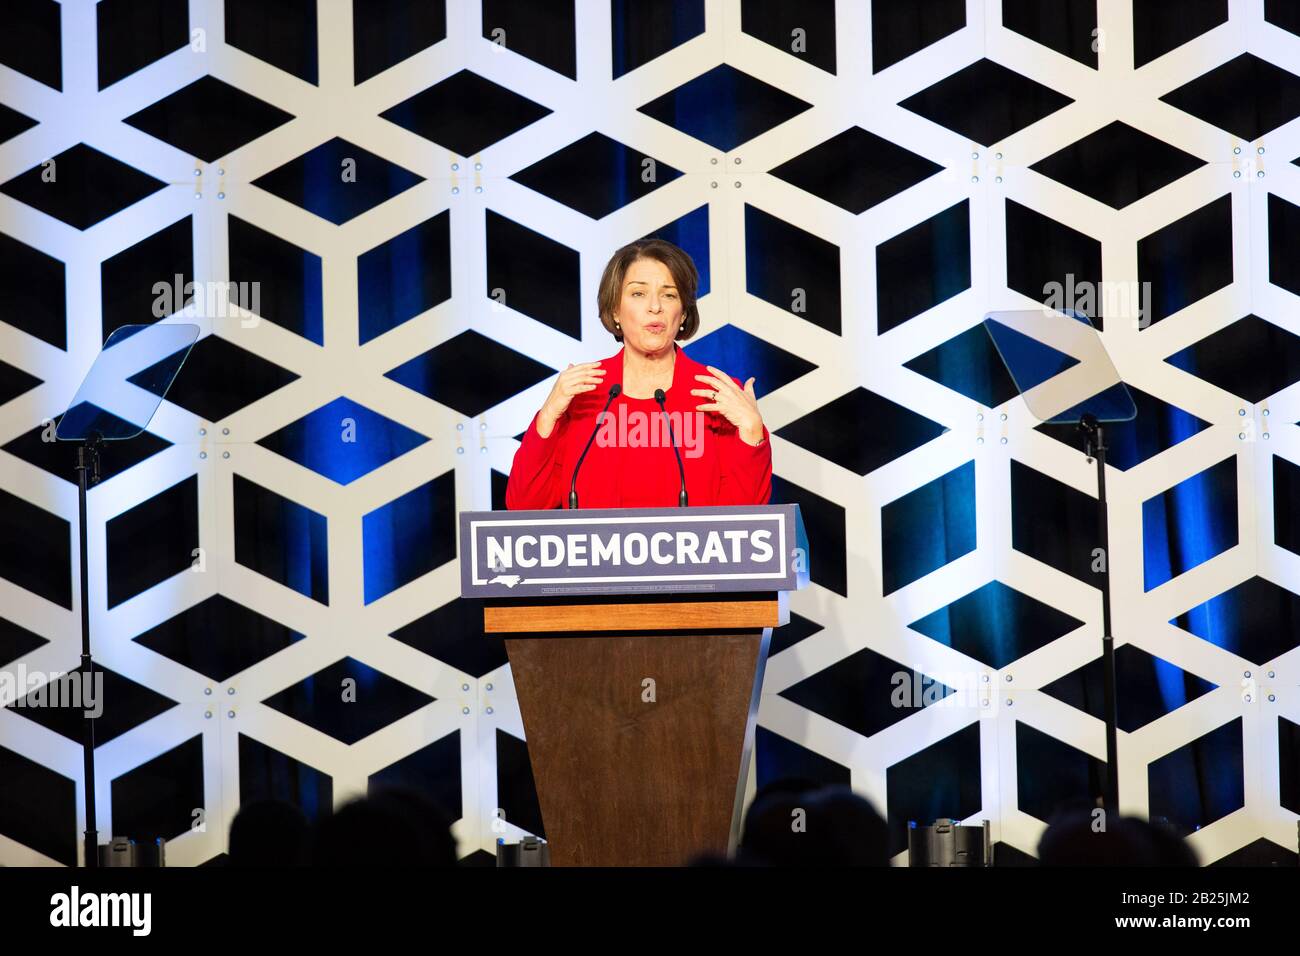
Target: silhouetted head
{"points": [[829, 826], [390, 827], [268, 833], [1088, 838]]}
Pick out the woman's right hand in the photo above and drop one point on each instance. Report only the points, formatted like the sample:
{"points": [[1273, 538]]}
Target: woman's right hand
{"points": [[574, 380]]}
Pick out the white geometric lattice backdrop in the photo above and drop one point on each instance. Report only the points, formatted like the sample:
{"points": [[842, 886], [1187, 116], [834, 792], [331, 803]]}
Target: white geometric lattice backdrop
{"points": [[479, 706]]}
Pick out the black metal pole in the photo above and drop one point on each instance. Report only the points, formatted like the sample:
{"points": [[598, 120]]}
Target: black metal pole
{"points": [[1096, 450], [87, 474]]}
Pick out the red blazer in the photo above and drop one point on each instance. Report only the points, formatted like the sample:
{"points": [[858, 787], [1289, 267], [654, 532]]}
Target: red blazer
{"points": [[631, 462]]}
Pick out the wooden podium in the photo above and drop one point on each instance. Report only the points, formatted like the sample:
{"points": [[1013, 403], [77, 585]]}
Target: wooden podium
{"points": [[638, 702]]}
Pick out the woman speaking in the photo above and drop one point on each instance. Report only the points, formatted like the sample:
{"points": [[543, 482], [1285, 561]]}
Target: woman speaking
{"points": [[653, 397]]}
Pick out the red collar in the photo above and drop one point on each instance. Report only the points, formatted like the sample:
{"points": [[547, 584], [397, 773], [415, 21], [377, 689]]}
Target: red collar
{"points": [[683, 371]]}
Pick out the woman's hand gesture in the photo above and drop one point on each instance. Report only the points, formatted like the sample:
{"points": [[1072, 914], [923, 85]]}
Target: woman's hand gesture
{"points": [[574, 380], [737, 405]]}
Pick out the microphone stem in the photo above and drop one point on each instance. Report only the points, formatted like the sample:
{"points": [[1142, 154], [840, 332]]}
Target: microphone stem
{"points": [[681, 496], [573, 484]]}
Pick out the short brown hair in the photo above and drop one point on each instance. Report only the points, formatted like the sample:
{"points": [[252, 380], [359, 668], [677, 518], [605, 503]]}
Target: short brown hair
{"points": [[680, 266]]}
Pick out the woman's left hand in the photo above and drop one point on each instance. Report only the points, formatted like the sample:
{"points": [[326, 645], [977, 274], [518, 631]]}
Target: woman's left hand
{"points": [[738, 406]]}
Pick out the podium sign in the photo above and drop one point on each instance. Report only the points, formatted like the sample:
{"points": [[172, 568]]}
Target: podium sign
{"points": [[637, 687], [632, 551]]}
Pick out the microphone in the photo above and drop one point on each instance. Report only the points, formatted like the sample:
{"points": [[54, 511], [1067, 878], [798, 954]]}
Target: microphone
{"points": [[659, 397], [614, 391]]}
